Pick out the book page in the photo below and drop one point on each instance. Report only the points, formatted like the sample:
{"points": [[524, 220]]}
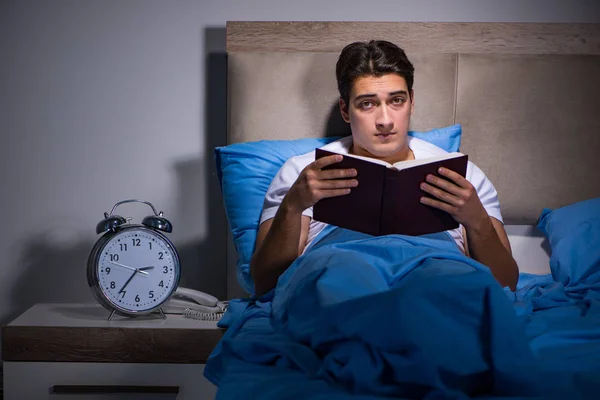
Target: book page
{"points": [[400, 165], [413, 163], [373, 160]]}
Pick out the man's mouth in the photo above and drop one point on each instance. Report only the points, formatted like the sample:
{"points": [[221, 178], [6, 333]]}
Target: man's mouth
{"points": [[385, 135]]}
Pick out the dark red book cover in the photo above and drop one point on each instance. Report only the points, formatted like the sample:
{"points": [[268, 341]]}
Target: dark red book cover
{"points": [[387, 200]]}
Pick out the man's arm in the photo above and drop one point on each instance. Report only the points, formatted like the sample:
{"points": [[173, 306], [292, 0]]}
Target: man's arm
{"points": [[486, 237], [281, 240], [490, 246]]}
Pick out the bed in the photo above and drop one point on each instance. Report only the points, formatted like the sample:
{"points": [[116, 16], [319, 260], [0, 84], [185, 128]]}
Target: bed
{"points": [[418, 320]]}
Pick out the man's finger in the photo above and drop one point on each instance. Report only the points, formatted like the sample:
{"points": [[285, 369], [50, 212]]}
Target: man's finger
{"points": [[337, 173], [334, 192], [440, 194], [442, 183], [337, 184], [450, 209], [328, 160], [454, 176]]}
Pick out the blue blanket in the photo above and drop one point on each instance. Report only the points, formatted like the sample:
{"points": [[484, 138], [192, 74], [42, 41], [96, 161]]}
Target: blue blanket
{"points": [[362, 317]]}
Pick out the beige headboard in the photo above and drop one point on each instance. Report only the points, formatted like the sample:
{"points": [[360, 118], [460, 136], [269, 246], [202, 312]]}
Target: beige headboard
{"points": [[525, 95]]}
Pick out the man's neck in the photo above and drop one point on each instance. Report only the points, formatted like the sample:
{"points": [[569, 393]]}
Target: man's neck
{"points": [[404, 154]]}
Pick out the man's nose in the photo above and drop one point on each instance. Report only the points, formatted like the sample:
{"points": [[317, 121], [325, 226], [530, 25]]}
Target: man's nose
{"points": [[384, 119]]}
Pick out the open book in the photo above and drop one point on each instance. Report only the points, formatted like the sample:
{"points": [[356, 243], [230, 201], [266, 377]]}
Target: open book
{"points": [[387, 198]]}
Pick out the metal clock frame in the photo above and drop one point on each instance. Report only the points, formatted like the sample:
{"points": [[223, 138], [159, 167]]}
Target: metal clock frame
{"points": [[94, 259]]}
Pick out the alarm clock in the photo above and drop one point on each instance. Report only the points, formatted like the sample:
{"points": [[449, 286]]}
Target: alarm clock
{"points": [[133, 269]]}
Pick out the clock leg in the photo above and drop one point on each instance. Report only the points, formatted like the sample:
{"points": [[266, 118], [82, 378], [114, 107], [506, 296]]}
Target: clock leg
{"points": [[112, 313]]}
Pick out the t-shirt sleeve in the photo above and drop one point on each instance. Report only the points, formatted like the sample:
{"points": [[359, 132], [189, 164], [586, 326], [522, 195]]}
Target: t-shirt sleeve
{"points": [[280, 185], [485, 190]]}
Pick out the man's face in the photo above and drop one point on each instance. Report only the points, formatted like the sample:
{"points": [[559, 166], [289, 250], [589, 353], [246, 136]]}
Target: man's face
{"points": [[379, 113]]}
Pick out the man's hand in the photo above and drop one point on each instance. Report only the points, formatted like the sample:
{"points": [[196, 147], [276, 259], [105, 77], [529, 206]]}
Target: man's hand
{"points": [[486, 236], [282, 239], [315, 184], [457, 197]]}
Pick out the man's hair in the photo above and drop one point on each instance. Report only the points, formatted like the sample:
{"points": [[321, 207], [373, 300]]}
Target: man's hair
{"points": [[375, 58]]}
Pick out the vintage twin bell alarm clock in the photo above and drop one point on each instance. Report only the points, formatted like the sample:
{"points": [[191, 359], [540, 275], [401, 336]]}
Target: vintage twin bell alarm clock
{"points": [[133, 269]]}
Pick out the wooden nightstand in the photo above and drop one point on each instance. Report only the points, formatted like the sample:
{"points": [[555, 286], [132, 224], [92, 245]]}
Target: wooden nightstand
{"points": [[55, 351]]}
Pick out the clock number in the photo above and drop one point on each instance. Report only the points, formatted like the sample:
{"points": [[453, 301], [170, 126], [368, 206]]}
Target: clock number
{"points": [[161, 284], [107, 269], [150, 243], [160, 255], [136, 242], [165, 269], [151, 294], [123, 246], [112, 285], [124, 291], [137, 298], [114, 257]]}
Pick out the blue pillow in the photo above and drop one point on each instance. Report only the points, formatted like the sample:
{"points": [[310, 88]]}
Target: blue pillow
{"points": [[573, 233], [448, 138], [245, 171]]}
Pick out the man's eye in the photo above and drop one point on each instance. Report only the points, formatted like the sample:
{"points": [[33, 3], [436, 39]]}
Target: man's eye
{"points": [[398, 100], [366, 104]]}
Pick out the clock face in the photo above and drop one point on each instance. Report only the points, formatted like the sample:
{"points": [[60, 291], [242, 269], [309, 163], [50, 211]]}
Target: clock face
{"points": [[137, 270]]}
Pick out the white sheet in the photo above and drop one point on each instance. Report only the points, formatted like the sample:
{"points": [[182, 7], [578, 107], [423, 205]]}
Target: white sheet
{"points": [[530, 249]]}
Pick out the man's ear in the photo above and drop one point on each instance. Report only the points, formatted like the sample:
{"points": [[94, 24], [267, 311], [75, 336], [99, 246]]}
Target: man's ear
{"points": [[344, 110], [412, 101]]}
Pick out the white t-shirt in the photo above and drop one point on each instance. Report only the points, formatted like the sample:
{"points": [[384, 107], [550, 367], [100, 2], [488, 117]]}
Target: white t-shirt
{"points": [[292, 168]]}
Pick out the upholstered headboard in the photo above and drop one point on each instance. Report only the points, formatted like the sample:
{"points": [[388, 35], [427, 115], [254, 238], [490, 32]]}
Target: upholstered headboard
{"points": [[525, 95]]}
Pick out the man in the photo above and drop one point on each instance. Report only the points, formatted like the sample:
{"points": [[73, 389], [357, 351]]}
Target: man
{"points": [[375, 82]]}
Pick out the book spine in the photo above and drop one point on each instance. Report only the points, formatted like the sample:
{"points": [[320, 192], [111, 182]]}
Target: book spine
{"points": [[380, 230]]}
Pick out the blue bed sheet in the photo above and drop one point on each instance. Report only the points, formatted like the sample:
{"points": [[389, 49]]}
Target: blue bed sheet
{"points": [[362, 317]]}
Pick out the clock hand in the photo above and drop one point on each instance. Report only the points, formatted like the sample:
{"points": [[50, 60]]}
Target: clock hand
{"points": [[127, 283], [141, 270], [128, 267], [135, 271]]}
